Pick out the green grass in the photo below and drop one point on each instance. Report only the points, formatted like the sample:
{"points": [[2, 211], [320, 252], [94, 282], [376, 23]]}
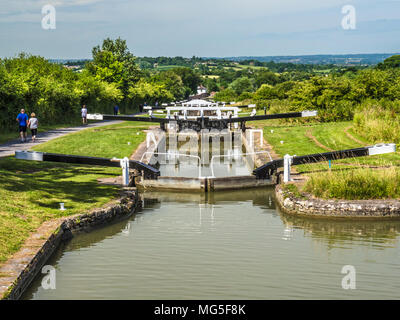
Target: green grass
{"points": [[349, 178], [30, 192], [356, 184], [168, 67]]}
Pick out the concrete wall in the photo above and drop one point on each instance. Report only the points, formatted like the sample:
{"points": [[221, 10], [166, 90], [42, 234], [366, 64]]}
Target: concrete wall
{"points": [[171, 183], [203, 184], [235, 183]]}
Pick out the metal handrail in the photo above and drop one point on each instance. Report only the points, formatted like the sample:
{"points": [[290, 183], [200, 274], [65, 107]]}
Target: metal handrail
{"points": [[239, 155], [176, 154]]}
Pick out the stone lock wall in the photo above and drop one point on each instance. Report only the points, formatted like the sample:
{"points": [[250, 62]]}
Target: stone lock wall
{"points": [[309, 206]]}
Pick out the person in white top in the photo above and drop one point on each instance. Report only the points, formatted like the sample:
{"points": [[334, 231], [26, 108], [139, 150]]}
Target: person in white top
{"points": [[33, 125], [84, 114]]}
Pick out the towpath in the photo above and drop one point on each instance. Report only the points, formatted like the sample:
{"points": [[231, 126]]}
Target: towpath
{"points": [[9, 148]]}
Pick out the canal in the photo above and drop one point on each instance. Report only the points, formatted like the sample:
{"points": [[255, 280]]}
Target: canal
{"points": [[234, 245]]}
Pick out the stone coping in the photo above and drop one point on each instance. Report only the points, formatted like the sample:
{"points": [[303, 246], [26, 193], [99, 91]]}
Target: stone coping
{"points": [[357, 209]]}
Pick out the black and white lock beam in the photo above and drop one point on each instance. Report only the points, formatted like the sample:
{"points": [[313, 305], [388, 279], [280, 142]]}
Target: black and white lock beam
{"points": [[204, 122], [148, 171], [270, 168]]}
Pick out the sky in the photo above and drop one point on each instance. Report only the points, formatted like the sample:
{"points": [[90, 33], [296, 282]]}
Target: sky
{"points": [[208, 28]]}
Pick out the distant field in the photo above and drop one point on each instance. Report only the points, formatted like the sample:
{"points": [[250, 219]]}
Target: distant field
{"points": [[162, 68]]}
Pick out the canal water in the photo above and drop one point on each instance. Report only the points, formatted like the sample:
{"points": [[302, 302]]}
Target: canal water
{"points": [[217, 157], [235, 245]]}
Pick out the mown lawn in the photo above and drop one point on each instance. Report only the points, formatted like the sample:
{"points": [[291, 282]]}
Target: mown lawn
{"points": [[30, 192]]}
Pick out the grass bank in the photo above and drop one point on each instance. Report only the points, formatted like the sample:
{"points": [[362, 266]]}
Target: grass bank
{"points": [[30, 192], [374, 177]]}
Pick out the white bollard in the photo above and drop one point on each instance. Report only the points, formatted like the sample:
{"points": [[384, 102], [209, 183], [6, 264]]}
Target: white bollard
{"points": [[287, 161], [125, 171], [62, 208]]}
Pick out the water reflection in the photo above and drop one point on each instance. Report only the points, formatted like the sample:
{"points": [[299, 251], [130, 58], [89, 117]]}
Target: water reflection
{"points": [[335, 233], [225, 245]]}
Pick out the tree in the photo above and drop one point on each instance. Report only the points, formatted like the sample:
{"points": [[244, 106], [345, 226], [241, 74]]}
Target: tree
{"points": [[173, 83], [266, 77], [114, 63], [390, 63], [189, 78], [241, 85], [149, 92]]}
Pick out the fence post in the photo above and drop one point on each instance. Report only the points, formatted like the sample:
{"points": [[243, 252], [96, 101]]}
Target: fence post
{"points": [[125, 171], [287, 161]]}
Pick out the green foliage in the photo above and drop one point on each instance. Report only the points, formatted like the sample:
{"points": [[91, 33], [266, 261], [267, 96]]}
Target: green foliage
{"points": [[226, 95], [189, 78], [266, 77], [377, 123], [265, 92], [150, 92], [211, 84], [30, 191], [389, 63], [114, 63], [172, 82], [356, 184], [53, 92], [243, 84]]}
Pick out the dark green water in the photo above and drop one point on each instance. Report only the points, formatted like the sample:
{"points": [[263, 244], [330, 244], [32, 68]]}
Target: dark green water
{"points": [[234, 245]]}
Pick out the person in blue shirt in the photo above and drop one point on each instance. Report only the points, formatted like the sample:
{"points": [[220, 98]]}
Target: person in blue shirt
{"points": [[22, 120], [116, 110]]}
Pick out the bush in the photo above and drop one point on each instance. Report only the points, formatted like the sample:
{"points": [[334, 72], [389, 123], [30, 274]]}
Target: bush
{"points": [[53, 92], [226, 95]]}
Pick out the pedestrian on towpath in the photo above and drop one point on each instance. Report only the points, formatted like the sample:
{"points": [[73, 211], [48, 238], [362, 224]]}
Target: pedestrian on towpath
{"points": [[33, 125], [116, 110], [22, 120], [84, 114]]}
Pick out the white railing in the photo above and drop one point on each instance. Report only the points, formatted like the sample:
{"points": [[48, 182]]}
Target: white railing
{"points": [[234, 155], [175, 155]]}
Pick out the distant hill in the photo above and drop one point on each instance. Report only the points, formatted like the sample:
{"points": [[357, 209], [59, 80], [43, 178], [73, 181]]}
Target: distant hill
{"points": [[328, 59], [345, 59]]}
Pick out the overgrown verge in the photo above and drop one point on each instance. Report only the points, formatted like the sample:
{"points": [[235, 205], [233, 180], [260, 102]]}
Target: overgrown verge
{"points": [[356, 184], [374, 177], [379, 123]]}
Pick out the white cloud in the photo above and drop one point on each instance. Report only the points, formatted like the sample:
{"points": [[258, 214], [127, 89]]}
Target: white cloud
{"points": [[183, 27]]}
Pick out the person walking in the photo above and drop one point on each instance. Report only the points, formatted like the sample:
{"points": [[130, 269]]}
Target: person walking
{"points": [[33, 125], [116, 110], [22, 120], [84, 114]]}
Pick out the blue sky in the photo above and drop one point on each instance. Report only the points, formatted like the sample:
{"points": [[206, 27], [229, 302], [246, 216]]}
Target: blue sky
{"points": [[201, 28]]}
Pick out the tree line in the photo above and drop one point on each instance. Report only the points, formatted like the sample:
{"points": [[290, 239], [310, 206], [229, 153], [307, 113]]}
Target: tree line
{"points": [[337, 95], [56, 93]]}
